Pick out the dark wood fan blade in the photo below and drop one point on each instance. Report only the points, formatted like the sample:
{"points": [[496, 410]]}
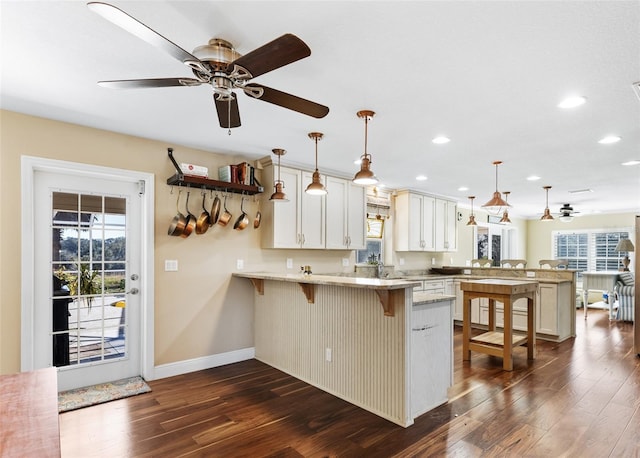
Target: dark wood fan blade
{"points": [[137, 28], [285, 100], [275, 54], [228, 113], [150, 83]]}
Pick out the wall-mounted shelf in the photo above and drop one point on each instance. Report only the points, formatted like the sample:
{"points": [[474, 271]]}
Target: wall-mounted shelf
{"points": [[180, 179]]}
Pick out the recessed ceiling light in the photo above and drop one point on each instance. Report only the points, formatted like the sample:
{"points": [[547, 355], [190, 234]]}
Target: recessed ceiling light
{"points": [[572, 102], [421, 178], [533, 178], [440, 140], [609, 139], [463, 188], [635, 162]]}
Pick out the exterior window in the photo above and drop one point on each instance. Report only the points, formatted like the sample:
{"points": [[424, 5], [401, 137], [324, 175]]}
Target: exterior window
{"points": [[592, 250]]}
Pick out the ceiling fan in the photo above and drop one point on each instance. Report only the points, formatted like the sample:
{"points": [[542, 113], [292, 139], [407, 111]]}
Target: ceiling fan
{"points": [[566, 213], [220, 65]]}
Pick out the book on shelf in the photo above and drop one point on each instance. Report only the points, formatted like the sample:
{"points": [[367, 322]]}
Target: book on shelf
{"points": [[224, 173]]}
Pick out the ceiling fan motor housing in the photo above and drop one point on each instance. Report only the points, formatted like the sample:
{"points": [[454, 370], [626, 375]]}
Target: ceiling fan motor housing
{"points": [[218, 53]]}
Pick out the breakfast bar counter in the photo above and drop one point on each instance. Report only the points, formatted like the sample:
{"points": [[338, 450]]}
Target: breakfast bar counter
{"points": [[330, 331]]}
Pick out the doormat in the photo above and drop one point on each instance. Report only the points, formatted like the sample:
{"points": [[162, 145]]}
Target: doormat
{"points": [[103, 392]]}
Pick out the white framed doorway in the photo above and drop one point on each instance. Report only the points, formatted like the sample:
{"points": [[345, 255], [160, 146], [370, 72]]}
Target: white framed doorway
{"points": [[108, 329]]}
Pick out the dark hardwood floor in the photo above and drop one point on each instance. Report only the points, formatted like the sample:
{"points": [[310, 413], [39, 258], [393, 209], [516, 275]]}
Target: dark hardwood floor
{"points": [[578, 398]]}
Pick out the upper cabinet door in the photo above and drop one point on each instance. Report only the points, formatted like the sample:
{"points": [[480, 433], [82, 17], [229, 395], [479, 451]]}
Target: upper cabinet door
{"points": [[336, 224], [285, 222], [428, 223], [357, 217], [312, 216]]}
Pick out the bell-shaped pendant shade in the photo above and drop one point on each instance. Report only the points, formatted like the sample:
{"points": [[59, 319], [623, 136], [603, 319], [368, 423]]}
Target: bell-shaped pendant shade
{"points": [[472, 217], [547, 214], [316, 187], [365, 175], [505, 216], [496, 204], [278, 194]]}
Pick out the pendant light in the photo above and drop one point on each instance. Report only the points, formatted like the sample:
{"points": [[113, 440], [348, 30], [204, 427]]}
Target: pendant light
{"points": [[496, 204], [505, 216], [278, 195], [547, 214], [472, 217], [365, 176], [316, 187]]}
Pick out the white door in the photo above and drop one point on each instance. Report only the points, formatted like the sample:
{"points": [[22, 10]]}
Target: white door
{"points": [[87, 258]]}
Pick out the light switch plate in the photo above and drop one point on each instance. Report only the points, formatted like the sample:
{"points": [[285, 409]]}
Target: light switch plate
{"points": [[289, 263], [170, 265], [402, 261], [345, 262]]}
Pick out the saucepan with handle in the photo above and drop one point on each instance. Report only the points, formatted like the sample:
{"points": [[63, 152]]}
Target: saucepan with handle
{"points": [[203, 222], [191, 220], [243, 219], [179, 221], [215, 211], [226, 215]]}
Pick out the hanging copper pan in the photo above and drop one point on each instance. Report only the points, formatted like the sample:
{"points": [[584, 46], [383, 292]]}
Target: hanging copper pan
{"points": [[258, 218], [225, 217], [203, 222], [179, 221], [243, 219], [215, 211], [191, 220]]}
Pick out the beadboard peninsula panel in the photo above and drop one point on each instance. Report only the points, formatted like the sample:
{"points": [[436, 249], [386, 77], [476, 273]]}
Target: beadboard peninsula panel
{"points": [[369, 351]]}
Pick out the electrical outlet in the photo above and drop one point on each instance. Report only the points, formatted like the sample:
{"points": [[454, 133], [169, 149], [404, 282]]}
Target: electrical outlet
{"points": [[170, 265], [289, 263], [467, 271], [327, 354], [345, 262], [531, 274], [433, 261], [467, 263], [240, 264], [402, 261]]}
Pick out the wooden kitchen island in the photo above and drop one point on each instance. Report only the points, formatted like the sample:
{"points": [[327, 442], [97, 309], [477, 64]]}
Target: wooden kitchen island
{"points": [[493, 342], [352, 337]]}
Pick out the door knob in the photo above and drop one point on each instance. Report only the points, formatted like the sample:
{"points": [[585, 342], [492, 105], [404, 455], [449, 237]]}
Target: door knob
{"points": [[133, 291]]}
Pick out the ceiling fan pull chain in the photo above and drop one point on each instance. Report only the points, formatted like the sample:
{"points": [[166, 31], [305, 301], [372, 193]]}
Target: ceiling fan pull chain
{"points": [[229, 116]]}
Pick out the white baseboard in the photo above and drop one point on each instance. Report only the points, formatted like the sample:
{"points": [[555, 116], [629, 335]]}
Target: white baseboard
{"points": [[205, 362]]}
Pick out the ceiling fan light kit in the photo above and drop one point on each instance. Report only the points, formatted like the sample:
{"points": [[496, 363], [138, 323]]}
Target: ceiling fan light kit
{"points": [[566, 213], [496, 204], [218, 64], [365, 175], [278, 194], [316, 187], [547, 214]]}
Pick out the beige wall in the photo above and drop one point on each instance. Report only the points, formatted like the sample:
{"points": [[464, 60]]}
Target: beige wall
{"points": [[539, 241]]}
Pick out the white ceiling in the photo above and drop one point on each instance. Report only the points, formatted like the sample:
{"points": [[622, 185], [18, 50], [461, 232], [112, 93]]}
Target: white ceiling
{"points": [[486, 74]]}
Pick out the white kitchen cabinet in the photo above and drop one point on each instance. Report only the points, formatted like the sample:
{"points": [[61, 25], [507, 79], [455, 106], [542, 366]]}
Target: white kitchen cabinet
{"points": [[414, 227], [298, 223], [346, 215], [445, 225], [431, 355]]}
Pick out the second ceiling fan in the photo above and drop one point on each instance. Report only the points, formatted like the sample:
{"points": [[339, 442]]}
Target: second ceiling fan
{"points": [[220, 65]]}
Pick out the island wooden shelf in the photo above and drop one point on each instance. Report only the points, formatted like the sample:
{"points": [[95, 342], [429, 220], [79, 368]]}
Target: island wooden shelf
{"points": [[388, 291]]}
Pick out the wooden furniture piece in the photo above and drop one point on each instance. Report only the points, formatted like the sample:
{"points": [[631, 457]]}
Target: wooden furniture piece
{"points": [[514, 263], [602, 281], [554, 263], [29, 413], [494, 342]]}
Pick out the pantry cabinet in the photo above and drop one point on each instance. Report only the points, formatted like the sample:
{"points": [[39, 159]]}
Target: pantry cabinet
{"points": [[298, 223], [425, 223], [346, 215]]}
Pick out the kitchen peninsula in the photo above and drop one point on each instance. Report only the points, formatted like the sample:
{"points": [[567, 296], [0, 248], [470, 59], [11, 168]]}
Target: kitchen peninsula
{"points": [[364, 340]]}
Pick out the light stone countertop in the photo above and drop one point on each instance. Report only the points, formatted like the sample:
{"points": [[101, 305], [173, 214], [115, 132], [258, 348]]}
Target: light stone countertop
{"points": [[319, 279], [422, 297]]}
